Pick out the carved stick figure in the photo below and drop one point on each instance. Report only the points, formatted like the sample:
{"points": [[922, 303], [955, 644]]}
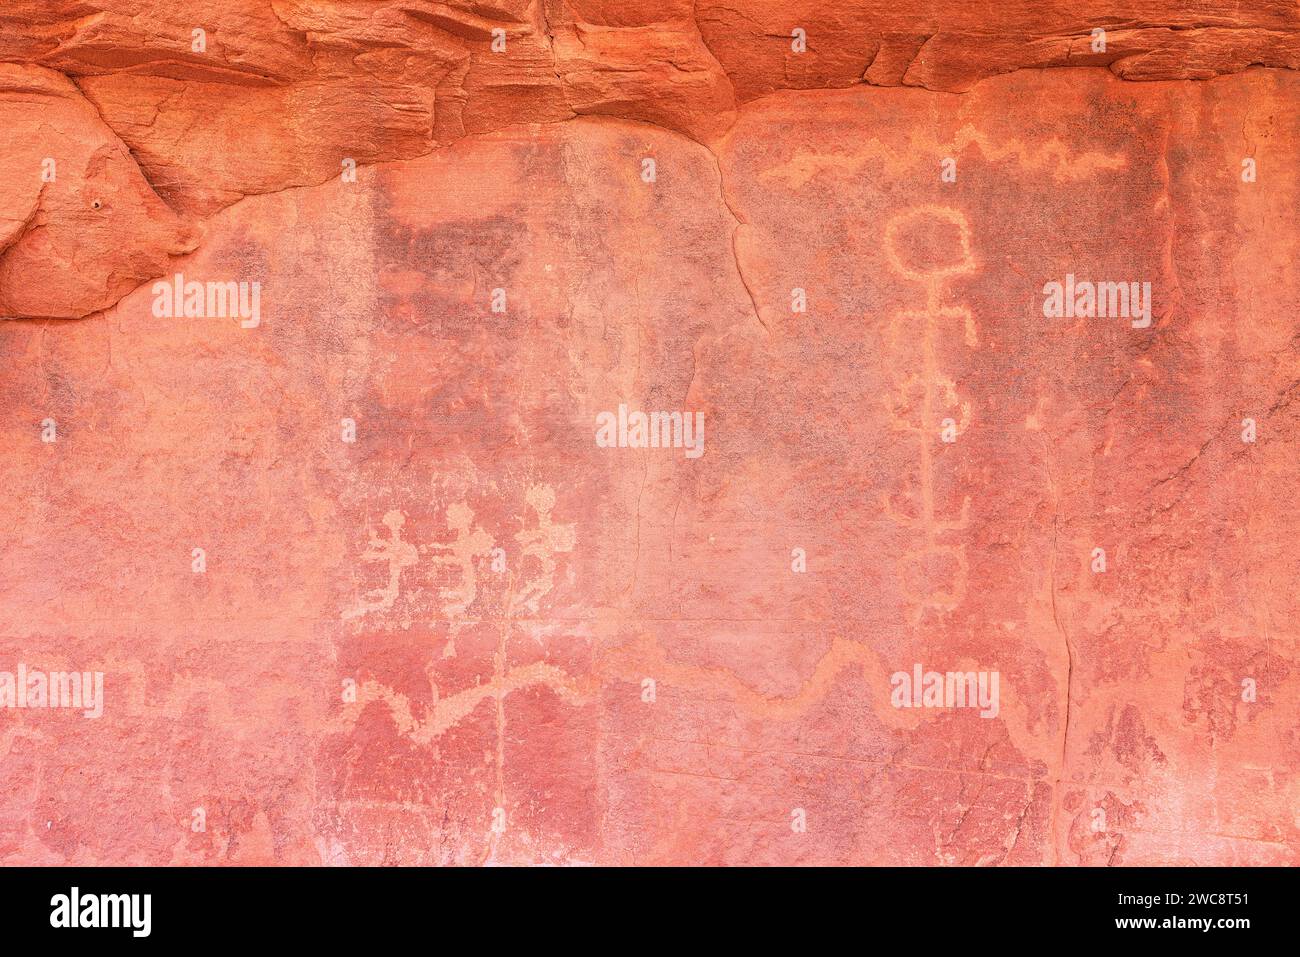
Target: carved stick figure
{"points": [[397, 554], [920, 395]]}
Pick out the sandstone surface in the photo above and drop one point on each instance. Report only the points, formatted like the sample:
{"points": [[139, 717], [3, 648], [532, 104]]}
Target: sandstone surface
{"points": [[472, 634]]}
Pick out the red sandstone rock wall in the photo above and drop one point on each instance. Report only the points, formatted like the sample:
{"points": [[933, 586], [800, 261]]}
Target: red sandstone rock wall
{"points": [[433, 620]]}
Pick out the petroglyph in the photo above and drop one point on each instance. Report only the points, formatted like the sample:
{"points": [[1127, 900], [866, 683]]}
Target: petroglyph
{"points": [[463, 555], [542, 543], [446, 713], [398, 554], [470, 542], [922, 403], [899, 158], [630, 662]]}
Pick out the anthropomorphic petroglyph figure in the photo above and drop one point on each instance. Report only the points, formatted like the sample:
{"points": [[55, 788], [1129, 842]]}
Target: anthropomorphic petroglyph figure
{"points": [[398, 554], [925, 404], [542, 543], [469, 544]]}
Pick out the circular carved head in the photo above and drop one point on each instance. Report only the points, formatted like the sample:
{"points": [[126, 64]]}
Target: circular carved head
{"points": [[928, 243]]}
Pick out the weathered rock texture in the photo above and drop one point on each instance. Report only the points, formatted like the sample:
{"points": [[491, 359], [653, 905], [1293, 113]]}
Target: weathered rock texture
{"points": [[473, 635]]}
